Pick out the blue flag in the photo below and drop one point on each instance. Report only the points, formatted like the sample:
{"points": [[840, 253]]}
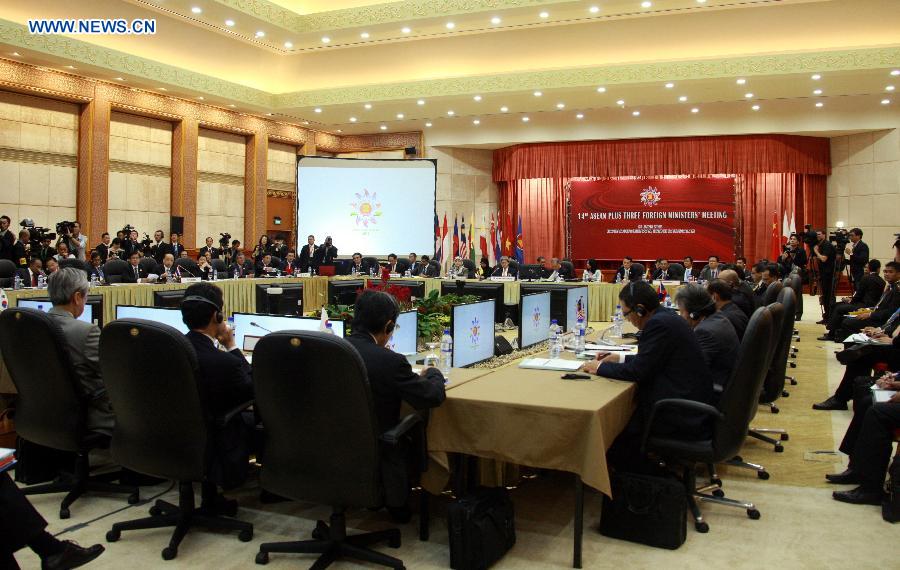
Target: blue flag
{"points": [[520, 244]]}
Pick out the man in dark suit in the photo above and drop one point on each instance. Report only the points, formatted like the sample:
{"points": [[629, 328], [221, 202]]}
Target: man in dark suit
{"points": [[175, 248], [30, 275], [157, 248], [712, 269], [887, 304], [690, 272], [224, 382], [6, 238], [241, 267], [307, 255], [715, 333], [430, 268], [326, 253], [666, 272], [623, 273], [392, 381], [414, 267], [21, 525], [871, 455], [557, 268], [279, 248], [97, 267], [359, 266], [134, 273], [393, 263], [824, 251], [103, 247], [868, 292], [722, 295], [669, 364], [20, 249], [211, 248], [291, 266], [505, 269], [858, 252], [46, 250]]}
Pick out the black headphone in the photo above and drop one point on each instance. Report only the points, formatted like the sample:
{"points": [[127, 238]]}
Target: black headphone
{"points": [[638, 310], [694, 315], [198, 299]]}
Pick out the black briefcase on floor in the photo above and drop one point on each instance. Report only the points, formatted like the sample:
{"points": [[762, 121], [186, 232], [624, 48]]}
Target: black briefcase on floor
{"points": [[482, 528], [646, 509]]}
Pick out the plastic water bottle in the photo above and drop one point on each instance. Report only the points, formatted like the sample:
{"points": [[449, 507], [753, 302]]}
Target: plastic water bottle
{"points": [[17, 282], [586, 276], [94, 281], [42, 281], [328, 328], [618, 277], [237, 275], [555, 340], [618, 319], [446, 354], [407, 273], [353, 271], [579, 336]]}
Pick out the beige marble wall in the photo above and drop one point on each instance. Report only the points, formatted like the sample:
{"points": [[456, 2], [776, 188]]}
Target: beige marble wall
{"points": [[464, 185], [372, 154], [864, 187], [282, 168], [38, 147], [221, 161], [140, 173]]}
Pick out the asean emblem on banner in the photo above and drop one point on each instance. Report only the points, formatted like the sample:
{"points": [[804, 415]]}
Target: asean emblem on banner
{"points": [[366, 208], [650, 196], [475, 332], [536, 318]]}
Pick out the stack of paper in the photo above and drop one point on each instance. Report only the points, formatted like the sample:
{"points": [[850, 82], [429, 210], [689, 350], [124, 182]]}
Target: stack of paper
{"points": [[550, 364], [7, 458]]}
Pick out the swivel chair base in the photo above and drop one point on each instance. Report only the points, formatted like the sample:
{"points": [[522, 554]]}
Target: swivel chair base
{"points": [[757, 433], [332, 542], [694, 494], [182, 517]]}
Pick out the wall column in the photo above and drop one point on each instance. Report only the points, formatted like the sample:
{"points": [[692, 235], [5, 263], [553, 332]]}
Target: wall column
{"points": [[184, 177], [92, 195], [255, 188]]}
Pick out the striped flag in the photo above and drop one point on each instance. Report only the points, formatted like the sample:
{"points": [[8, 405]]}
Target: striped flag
{"points": [[455, 237], [437, 238], [482, 241], [495, 240], [472, 237]]}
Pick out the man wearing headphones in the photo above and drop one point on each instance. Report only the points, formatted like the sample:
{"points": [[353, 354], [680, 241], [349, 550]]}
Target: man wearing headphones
{"points": [[392, 380], [225, 383], [715, 333], [669, 364]]}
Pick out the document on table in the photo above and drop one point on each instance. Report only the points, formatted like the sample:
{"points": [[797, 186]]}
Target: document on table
{"points": [[550, 364], [611, 347], [859, 337], [882, 396]]}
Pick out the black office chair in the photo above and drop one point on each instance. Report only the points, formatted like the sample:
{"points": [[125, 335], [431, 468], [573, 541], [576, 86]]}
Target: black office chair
{"points": [[114, 269], [470, 267], [677, 269], [7, 273], [402, 266], [189, 267], [220, 267], [372, 262], [77, 264], [637, 272], [49, 410], [149, 265], [772, 291], [568, 268], [161, 428], [514, 264], [277, 262], [433, 269], [322, 440], [730, 421]]}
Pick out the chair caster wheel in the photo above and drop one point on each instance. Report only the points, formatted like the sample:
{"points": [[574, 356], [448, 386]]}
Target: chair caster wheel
{"points": [[262, 558], [701, 527], [753, 514], [715, 481], [321, 531], [779, 448], [785, 394], [113, 536], [134, 498], [718, 493], [775, 410], [738, 458], [155, 511], [245, 535], [64, 513], [785, 437], [169, 553], [764, 475], [394, 541]]}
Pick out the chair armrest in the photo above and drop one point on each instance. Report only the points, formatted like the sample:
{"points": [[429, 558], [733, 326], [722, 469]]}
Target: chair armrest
{"points": [[221, 421], [393, 435], [690, 406]]}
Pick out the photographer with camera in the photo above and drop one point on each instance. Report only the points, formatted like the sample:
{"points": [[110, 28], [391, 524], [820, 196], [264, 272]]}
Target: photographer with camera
{"points": [[857, 252], [6, 238], [825, 254], [130, 243], [70, 234], [793, 257]]}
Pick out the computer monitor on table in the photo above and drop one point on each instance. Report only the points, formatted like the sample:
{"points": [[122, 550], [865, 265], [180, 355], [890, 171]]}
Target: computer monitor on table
{"points": [[576, 306], [531, 272], [166, 315], [171, 298], [344, 292], [483, 290], [288, 302], [534, 318], [472, 329], [256, 324], [403, 339], [93, 307]]}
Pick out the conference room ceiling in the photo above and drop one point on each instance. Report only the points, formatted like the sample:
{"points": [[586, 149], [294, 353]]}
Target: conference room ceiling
{"points": [[583, 57]]}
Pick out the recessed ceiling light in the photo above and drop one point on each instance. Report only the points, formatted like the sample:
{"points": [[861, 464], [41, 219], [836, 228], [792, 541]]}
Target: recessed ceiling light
{"points": [[120, 79], [579, 116], [200, 97], [525, 119], [232, 105], [450, 113], [748, 95], [162, 88], [450, 25], [670, 85], [364, 35], [70, 67], [496, 20], [817, 91], [889, 88], [476, 122], [477, 98], [560, 105], [885, 101], [895, 72], [352, 119], [741, 81], [229, 23], [504, 109], [197, 10], [427, 124], [400, 115], [317, 110], [537, 93], [326, 40], [635, 113], [683, 98], [544, 14], [16, 54], [288, 45], [816, 77], [620, 102], [383, 127], [820, 104], [269, 114], [305, 122], [368, 106], [260, 34], [420, 102], [646, 4], [701, 1], [755, 107], [601, 90], [405, 30], [695, 110], [340, 131], [594, 9]]}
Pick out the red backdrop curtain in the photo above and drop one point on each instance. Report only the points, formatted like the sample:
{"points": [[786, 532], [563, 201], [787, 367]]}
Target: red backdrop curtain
{"points": [[774, 175]]}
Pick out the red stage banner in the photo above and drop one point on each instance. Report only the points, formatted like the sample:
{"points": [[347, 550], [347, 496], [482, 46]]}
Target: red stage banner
{"points": [[652, 217]]}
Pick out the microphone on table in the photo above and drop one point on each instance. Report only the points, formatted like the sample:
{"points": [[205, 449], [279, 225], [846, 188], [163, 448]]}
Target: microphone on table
{"points": [[253, 324], [185, 269]]}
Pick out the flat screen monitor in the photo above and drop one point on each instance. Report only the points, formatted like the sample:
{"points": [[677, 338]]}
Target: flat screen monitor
{"points": [[531, 272], [484, 290], [576, 306], [344, 292], [403, 339], [288, 302], [165, 315], [171, 298], [45, 305], [416, 287], [472, 328], [534, 318], [255, 324]]}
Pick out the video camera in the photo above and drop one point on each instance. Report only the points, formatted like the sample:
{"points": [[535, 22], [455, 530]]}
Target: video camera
{"points": [[840, 238], [65, 228], [225, 240], [37, 233], [808, 236]]}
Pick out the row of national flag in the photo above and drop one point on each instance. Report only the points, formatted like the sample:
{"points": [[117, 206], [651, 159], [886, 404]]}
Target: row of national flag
{"points": [[494, 240]]}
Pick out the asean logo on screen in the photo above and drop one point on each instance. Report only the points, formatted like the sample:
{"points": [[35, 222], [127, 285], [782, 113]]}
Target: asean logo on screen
{"points": [[536, 318], [366, 209], [475, 332], [579, 309], [650, 196]]}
